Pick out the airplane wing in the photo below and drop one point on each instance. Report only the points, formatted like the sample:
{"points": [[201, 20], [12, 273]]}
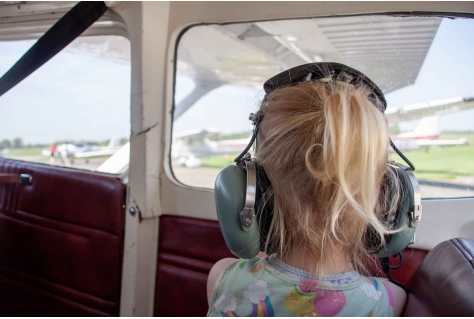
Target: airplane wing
{"points": [[460, 141], [419, 110], [96, 153], [117, 163], [409, 144], [390, 52], [197, 133]]}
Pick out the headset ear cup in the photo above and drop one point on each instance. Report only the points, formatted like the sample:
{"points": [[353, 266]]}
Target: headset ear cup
{"points": [[395, 243], [229, 194]]}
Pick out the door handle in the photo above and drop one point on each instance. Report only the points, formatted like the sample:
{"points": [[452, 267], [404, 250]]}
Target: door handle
{"points": [[21, 179]]}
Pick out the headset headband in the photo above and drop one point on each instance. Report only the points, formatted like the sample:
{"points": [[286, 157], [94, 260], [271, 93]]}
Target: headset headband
{"points": [[332, 71], [317, 71]]}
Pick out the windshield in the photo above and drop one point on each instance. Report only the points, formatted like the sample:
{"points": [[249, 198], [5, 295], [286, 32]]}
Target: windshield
{"points": [[422, 64]]}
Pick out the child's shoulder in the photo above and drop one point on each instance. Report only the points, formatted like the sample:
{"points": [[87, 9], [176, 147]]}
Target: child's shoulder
{"points": [[232, 267], [215, 273], [399, 296], [396, 294]]}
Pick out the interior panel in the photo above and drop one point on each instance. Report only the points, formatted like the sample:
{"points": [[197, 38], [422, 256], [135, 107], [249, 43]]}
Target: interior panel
{"points": [[412, 258], [61, 242]]}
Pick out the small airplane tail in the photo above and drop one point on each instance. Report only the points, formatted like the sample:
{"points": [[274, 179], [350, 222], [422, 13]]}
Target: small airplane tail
{"points": [[427, 129], [114, 143]]}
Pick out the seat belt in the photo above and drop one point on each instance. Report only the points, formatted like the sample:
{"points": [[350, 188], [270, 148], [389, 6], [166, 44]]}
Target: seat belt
{"points": [[63, 32]]}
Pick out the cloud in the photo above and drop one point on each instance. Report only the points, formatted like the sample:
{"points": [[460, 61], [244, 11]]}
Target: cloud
{"points": [[225, 303], [370, 291], [257, 292]]}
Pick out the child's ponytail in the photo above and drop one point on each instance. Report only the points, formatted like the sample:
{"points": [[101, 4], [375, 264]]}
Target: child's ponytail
{"points": [[324, 147]]}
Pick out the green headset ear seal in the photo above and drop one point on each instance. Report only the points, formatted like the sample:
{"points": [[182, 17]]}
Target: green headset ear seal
{"points": [[407, 215], [237, 222]]}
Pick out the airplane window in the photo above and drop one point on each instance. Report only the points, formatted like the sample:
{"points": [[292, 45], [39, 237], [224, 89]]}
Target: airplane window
{"points": [[423, 64], [74, 111]]}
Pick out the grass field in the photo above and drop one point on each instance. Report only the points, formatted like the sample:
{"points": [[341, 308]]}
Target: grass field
{"points": [[218, 161], [442, 163], [32, 154]]}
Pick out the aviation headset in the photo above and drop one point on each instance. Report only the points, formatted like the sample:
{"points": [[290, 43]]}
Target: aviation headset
{"points": [[245, 214]]}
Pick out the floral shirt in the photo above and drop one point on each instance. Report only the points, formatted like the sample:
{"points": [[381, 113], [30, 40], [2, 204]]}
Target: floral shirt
{"points": [[268, 287]]}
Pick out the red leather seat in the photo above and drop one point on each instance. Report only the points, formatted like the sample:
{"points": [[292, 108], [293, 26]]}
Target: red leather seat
{"points": [[443, 285], [188, 247]]}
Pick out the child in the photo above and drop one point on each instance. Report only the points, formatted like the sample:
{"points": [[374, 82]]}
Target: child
{"points": [[323, 143]]}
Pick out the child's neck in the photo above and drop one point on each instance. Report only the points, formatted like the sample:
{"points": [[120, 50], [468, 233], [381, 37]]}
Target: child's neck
{"points": [[335, 263]]}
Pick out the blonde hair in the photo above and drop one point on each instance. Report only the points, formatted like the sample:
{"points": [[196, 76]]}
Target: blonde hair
{"points": [[324, 147]]}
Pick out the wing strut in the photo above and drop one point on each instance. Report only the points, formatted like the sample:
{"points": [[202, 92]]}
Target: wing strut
{"points": [[63, 32]]}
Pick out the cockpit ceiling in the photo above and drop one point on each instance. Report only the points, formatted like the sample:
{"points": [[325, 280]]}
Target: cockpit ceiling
{"points": [[389, 49]]}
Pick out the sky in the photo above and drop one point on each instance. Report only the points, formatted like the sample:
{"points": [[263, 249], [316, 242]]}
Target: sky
{"points": [[74, 96], [84, 97]]}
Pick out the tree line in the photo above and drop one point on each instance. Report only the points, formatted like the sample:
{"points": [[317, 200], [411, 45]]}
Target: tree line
{"points": [[15, 143]]}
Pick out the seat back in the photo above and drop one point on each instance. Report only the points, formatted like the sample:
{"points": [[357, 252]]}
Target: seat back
{"points": [[443, 285], [188, 247]]}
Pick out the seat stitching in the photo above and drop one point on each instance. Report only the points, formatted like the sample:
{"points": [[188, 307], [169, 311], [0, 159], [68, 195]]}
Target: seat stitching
{"points": [[464, 251], [59, 296], [50, 228], [61, 221], [111, 303]]}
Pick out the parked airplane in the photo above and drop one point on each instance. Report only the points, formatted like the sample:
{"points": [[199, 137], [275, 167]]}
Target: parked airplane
{"points": [[427, 132], [84, 150], [95, 151], [190, 145], [68, 152]]}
